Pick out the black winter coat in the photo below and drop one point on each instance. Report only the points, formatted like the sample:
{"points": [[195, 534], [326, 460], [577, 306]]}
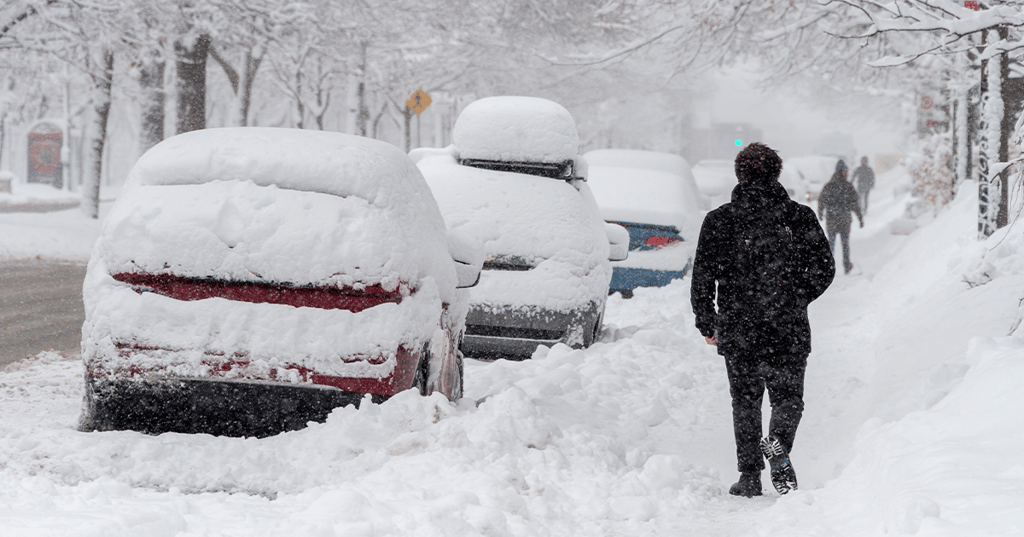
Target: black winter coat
{"points": [[838, 198], [750, 321]]}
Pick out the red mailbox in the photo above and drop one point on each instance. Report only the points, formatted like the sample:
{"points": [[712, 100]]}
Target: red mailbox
{"points": [[44, 165]]}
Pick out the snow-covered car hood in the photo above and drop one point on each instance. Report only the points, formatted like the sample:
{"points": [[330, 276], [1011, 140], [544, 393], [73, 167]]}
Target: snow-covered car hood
{"points": [[546, 221]]}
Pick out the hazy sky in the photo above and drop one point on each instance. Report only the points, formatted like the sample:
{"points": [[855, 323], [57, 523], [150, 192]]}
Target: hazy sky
{"points": [[792, 125]]}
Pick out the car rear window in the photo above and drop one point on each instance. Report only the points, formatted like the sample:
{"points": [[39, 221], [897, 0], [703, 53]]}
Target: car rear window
{"points": [[322, 297]]}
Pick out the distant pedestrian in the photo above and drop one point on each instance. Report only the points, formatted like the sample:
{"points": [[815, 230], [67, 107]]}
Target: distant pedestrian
{"points": [[864, 180], [762, 259], [837, 200]]}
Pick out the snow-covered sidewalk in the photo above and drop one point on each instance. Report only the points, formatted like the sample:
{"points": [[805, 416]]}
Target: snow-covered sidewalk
{"points": [[912, 426]]}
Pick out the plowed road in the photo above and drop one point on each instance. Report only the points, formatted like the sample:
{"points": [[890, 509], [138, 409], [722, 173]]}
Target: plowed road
{"points": [[40, 309]]}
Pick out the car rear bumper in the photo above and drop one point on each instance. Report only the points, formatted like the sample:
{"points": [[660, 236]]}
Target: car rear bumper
{"points": [[217, 407], [156, 391], [627, 278], [515, 333]]}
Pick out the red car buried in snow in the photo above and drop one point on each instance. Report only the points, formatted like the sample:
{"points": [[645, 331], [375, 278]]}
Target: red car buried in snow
{"points": [[248, 281]]}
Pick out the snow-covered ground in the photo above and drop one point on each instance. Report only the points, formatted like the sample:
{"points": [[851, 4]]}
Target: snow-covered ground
{"points": [[912, 426]]}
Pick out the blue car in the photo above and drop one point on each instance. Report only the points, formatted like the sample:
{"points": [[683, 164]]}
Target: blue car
{"points": [[654, 196]]}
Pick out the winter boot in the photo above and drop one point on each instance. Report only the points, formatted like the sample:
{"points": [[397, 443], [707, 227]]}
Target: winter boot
{"points": [[749, 485], [783, 476]]}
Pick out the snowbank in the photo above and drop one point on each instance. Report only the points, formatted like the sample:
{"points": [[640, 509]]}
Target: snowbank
{"points": [[66, 235], [935, 456], [30, 193]]}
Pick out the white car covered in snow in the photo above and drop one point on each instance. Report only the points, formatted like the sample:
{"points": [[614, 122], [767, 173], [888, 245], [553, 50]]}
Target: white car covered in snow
{"points": [[804, 177], [514, 180], [250, 280], [653, 195]]}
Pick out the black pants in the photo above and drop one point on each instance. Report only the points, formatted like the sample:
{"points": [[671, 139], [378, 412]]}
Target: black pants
{"points": [[748, 379], [844, 236]]}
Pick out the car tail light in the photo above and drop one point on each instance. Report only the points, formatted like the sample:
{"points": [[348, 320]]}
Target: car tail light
{"points": [[179, 288], [660, 241]]}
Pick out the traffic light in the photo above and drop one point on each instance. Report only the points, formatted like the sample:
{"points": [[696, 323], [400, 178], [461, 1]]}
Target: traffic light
{"points": [[739, 143]]}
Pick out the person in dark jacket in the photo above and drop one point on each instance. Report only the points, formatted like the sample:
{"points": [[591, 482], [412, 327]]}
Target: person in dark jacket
{"points": [[839, 198], [766, 259], [864, 179]]}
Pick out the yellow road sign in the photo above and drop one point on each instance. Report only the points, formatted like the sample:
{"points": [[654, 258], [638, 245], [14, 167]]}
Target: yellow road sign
{"points": [[418, 102]]}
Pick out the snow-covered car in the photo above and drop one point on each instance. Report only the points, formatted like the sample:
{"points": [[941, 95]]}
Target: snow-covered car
{"points": [[513, 179], [715, 180], [250, 280], [805, 176], [654, 196]]}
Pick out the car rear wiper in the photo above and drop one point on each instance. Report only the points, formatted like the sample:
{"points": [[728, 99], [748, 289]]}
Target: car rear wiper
{"points": [[555, 170]]}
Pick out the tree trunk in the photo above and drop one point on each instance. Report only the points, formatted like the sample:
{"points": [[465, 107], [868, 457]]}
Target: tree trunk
{"points": [[988, 148], [97, 132], [151, 82], [351, 103], [3, 136], [363, 115], [243, 94], [1006, 125], [407, 120], [191, 66]]}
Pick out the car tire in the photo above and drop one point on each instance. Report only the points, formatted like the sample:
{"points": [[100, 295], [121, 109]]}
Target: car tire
{"points": [[457, 388], [87, 422], [597, 329], [419, 381]]}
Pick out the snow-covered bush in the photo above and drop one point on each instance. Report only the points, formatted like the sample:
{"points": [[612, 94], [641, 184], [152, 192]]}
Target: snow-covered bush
{"points": [[931, 173]]}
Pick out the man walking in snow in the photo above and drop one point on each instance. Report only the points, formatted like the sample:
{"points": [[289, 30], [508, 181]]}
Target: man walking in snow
{"points": [[864, 179], [766, 258], [838, 198]]}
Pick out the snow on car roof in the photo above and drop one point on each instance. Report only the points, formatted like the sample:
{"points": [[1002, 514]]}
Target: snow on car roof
{"points": [[654, 161], [296, 159], [635, 158], [516, 129], [643, 196]]}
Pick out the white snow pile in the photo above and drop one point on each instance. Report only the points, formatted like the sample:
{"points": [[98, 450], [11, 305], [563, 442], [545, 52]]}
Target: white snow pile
{"points": [[912, 426], [270, 205], [939, 452], [549, 223], [28, 193], [59, 236], [516, 129]]}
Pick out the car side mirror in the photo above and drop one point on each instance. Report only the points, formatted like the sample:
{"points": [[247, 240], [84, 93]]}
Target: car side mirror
{"points": [[618, 241], [468, 255]]}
